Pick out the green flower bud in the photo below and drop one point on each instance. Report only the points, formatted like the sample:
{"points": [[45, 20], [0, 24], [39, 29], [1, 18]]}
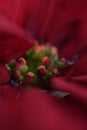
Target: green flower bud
{"points": [[11, 63], [60, 65], [23, 68], [21, 78]]}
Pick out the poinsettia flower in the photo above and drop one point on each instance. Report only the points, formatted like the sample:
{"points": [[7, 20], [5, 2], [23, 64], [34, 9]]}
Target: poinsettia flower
{"points": [[59, 22]]}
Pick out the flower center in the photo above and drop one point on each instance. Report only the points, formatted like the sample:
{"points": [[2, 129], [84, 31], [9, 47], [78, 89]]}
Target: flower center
{"points": [[36, 67]]}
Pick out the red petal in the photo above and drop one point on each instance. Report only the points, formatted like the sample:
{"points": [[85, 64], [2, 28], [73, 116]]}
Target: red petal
{"points": [[80, 68], [43, 111], [74, 89], [35, 109], [4, 75], [62, 22], [10, 116], [13, 41], [81, 79]]}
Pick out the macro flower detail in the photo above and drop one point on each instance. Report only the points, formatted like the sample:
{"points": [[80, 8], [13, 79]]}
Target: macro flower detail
{"points": [[41, 70], [55, 72], [46, 61], [55, 98], [22, 61], [38, 65], [29, 77]]}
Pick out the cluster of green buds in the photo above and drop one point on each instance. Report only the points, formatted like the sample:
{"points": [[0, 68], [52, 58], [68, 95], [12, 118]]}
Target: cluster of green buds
{"points": [[36, 67]]}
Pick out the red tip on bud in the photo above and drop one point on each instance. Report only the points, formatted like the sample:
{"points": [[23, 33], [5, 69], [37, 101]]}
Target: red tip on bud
{"points": [[39, 48], [22, 61], [23, 68], [17, 73], [42, 70], [54, 51], [30, 76], [46, 61], [55, 72], [41, 67], [63, 60]]}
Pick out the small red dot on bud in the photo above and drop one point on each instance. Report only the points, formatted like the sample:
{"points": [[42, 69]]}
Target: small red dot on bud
{"points": [[55, 72], [46, 61], [63, 60], [29, 79], [17, 73], [42, 70], [30, 76]]}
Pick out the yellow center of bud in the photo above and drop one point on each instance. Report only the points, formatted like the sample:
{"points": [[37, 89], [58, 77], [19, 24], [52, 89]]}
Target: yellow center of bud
{"points": [[41, 67], [22, 60], [39, 48], [44, 59], [54, 51], [31, 74]]}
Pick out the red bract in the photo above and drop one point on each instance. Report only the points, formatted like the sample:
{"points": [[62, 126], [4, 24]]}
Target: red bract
{"points": [[60, 22]]}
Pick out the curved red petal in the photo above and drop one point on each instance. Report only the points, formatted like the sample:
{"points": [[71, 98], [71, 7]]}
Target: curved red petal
{"points": [[10, 116], [80, 68], [78, 91], [35, 109], [61, 22], [4, 75], [43, 111], [14, 42]]}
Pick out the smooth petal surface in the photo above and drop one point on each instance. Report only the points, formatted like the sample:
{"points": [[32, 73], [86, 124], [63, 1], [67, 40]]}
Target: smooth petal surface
{"points": [[10, 117], [14, 10], [44, 111], [34, 109], [77, 91], [61, 22], [4, 75], [14, 42]]}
